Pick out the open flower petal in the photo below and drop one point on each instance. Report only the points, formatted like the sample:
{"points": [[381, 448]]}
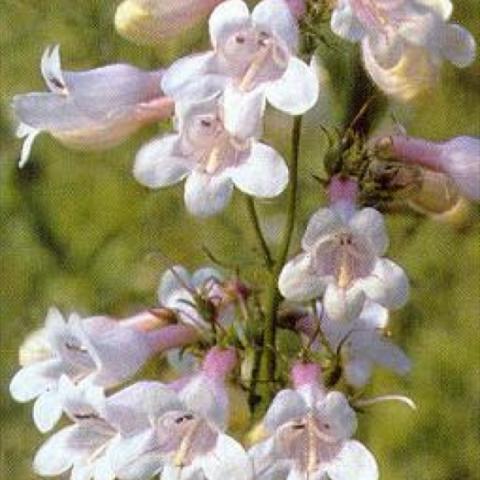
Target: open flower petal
{"points": [[228, 17], [370, 223], [459, 46], [47, 411], [354, 461], [344, 22], [286, 405]]}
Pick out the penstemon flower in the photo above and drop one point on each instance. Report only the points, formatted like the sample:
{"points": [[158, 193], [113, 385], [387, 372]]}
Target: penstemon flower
{"points": [[250, 52], [151, 22], [458, 158], [309, 435], [214, 152], [343, 260], [362, 343], [403, 41], [186, 440], [86, 350], [98, 423], [95, 109]]}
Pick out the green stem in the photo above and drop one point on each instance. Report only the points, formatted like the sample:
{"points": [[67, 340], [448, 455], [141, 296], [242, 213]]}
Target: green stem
{"points": [[252, 212], [268, 360]]}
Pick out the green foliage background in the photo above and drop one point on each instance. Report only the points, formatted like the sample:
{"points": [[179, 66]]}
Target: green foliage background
{"points": [[78, 232]]}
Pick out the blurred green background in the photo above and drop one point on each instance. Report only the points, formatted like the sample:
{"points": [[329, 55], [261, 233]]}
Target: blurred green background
{"points": [[78, 232]]}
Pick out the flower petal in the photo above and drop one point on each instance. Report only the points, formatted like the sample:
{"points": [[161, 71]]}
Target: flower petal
{"points": [[228, 17], [335, 411], [387, 285], [459, 46], [353, 461], [296, 91], [324, 222], [47, 411], [207, 195], [298, 283], [227, 461], [160, 164], [370, 223], [358, 370], [444, 8], [52, 70], [286, 405], [264, 174], [174, 279], [275, 16], [345, 24], [342, 304], [388, 355], [28, 134], [205, 275]]}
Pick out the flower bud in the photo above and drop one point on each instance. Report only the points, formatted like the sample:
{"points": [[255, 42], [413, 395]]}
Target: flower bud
{"points": [[152, 21], [458, 158]]}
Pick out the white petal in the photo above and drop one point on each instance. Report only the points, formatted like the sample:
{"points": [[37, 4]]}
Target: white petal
{"points": [[324, 222], [459, 46], [286, 405], [189, 472], [358, 371], [160, 164], [298, 283], [345, 24], [444, 8], [370, 223], [31, 381], [103, 469], [243, 112], [174, 279], [353, 461], [137, 457], [207, 195], [47, 411], [342, 304], [335, 411], [52, 70], [275, 16], [264, 174], [181, 80], [205, 275], [227, 461], [296, 91], [227, 18], [387, 285], [373, 316], [389, 355], [56, 456]]}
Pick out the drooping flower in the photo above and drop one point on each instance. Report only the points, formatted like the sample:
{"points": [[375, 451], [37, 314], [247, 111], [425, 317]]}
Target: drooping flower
{"points": [[148, 22], [85, 350], [343, 260], [404, 41], [458, 158], [309, 435], [186, 441], [362, 342], [98, 422], [92, 110], [251, 52], [214, 152]]}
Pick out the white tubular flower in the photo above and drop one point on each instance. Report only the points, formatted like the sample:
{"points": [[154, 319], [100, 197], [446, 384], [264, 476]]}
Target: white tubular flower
{"points": [[362, 342], [214, 151], [98, 422], [85, 350], [310, 435], [250, 52], [92, 110], [342, 260], [404, 41], [186, 440]]}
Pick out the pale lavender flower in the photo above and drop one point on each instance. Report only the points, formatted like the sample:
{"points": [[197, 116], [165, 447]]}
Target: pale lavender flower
{"points": [[362, 343], [251, 52], [94, 109], [343, 260], [214, 151], [309, 435], [403, 41], [151, 22], [85, 350], [186, 441], [458, 158], [98, 423]]}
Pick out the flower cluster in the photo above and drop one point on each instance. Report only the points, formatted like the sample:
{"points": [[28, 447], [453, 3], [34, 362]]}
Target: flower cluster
{"points": [[216, 333]]}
